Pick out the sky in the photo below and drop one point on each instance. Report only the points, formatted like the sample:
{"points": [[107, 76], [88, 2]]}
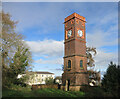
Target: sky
{"points": [[42, 25]]}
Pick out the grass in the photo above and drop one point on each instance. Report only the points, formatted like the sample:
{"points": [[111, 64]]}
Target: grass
{"points": [[18, 91], [94, 92]]}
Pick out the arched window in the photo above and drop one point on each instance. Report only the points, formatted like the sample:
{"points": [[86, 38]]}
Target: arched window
{"points": [[81, 63], [69, 63]]}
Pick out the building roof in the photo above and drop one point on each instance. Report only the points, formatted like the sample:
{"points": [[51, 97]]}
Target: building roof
{"points": [[75, 15], [39, 72]]}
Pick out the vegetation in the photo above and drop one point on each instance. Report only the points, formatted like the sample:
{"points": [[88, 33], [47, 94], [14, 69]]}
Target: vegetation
{"points": [[110, 88], [111, 80], [93, 75], [94, 91], [16, 57], [49, 80], [90, 52], [18, 91]]}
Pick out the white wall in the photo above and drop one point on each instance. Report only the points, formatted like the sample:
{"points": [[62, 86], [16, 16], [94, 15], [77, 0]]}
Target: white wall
{"points": [[39, 78]]}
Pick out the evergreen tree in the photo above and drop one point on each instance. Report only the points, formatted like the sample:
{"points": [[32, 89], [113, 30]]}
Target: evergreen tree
{"points": [[111, 80]]}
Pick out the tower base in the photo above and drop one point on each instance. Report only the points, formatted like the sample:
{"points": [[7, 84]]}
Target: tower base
{"points": [[74, 81], [72, 88]]}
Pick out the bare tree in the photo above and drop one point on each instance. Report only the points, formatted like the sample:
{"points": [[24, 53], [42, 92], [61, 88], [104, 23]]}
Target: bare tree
{"points": [[90, 51]]}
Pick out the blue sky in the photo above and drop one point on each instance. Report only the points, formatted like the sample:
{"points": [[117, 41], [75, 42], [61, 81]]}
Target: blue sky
{"points": [[42, 25]]}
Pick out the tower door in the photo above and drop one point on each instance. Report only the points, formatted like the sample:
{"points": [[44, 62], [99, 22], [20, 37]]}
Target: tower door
{"points": [[68, 85]]}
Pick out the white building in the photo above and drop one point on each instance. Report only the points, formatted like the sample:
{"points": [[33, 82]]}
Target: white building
{"points": [[38, 77]]}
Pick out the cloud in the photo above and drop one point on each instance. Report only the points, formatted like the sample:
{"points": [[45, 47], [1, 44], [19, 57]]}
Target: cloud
{"points": [[102, 59], [100, 38], [48, 17], [53, 50], [107, 19], [104, 19], [53, 61], [46, 47], [104, 32], [58, 69], [36, 15]]}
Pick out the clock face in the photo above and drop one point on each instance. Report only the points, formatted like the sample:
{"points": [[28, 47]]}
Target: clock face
{"points": [[80, 33], [69, 33]]}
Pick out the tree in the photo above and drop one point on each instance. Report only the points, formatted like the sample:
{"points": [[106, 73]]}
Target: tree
{"points": [[49, 80], [111, 80], [90, 52], [94, 76], [19, 64], [16, 56], [90, 60]]}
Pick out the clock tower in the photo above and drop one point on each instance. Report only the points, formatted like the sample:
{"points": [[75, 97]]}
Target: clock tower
{"points": [[75, 60]]}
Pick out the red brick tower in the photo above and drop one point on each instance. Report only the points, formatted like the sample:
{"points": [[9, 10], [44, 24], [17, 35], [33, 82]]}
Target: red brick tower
{"points": [[75, 60]]}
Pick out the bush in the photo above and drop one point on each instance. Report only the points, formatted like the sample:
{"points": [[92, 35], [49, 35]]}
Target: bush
{"points": [[94, 91], [49, 80]]}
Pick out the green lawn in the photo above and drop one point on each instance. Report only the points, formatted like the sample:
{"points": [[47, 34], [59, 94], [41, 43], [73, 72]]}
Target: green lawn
{"points": [[18, 91], [47, 92]]}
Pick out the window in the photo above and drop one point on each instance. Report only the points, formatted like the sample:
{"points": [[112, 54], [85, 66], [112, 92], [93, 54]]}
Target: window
{"points": [[81, 63], [69, 63]]}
